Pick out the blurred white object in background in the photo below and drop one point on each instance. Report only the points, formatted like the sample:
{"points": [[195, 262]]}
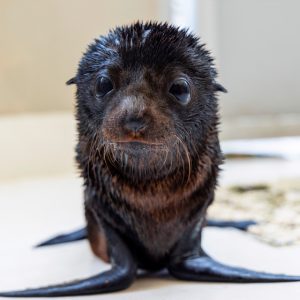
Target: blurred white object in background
{"points": [[282, 147], [183, 13]]}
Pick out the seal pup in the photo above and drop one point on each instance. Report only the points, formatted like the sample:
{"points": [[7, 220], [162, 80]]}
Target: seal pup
{"points": [[149, 155]]}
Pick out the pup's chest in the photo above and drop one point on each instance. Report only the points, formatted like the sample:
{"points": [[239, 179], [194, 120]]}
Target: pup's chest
{"points": [[153, 219], [157, 235], [156, 224]]}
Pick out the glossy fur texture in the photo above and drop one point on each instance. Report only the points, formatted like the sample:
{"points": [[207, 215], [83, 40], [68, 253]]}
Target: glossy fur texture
{"points": [[149, 162], [149, 184]]}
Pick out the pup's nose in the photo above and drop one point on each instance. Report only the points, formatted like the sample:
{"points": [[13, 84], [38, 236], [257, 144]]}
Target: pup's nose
{"points": [[135, 126]]}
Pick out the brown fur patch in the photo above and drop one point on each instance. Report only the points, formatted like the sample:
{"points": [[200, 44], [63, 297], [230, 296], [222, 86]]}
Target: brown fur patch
{"points": [[162, 198], [97, 239]]}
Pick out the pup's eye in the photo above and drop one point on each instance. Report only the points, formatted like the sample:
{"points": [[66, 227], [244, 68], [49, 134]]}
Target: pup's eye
{"points": [[103, 86], [180, 89]]}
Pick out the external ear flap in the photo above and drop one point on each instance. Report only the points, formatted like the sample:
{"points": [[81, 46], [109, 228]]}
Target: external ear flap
{"points": [[219, 87], [71, 81]]}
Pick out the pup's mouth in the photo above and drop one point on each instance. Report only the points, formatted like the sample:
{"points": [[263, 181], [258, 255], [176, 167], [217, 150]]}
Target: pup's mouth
{"points": [[144, 159], [138, 143], [140, 149]]}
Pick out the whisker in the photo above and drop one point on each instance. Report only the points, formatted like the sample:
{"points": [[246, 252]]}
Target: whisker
{"points": [[187, 156]]}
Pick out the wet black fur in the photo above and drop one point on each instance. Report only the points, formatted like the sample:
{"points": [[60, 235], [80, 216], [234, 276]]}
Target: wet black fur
{"points": [[160, 49]]}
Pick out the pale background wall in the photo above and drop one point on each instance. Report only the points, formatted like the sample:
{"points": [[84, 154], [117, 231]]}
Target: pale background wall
{"points": [[256, 43], [42, 42], [259, 55]]}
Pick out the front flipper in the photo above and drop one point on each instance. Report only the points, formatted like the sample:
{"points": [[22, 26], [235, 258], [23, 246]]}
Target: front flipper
{"points": [[119, 277], [73, 236], [204, 268]]}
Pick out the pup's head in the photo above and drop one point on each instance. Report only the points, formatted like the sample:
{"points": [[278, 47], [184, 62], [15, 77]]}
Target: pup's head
{"points": [[146, 99]]}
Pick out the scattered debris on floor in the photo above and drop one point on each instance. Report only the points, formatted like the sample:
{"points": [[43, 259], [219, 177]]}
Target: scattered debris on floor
{"points": [[275, 207]]}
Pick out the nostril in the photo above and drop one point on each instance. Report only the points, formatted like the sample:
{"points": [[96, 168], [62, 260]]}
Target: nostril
{"points": [[135, 125]]}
